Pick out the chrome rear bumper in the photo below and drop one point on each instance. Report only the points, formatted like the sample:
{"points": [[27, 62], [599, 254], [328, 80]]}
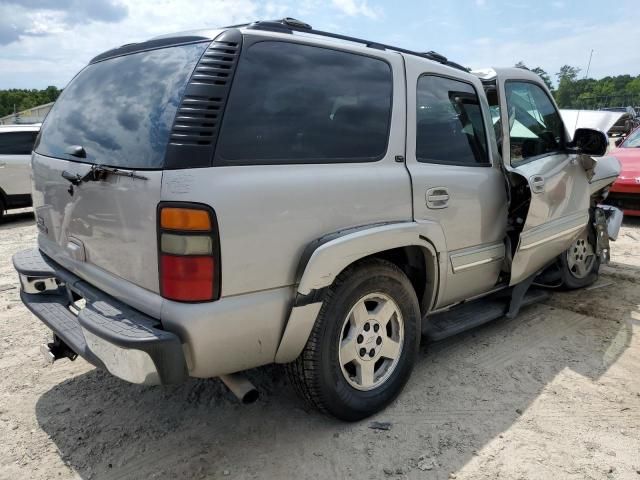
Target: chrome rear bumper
{"points": [[104, 331]]}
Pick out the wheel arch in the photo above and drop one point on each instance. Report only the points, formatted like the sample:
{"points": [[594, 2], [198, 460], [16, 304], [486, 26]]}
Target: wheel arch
{"points": [[413, 247]]}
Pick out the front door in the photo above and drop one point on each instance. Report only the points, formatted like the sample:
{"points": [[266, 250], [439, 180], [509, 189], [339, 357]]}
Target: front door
{"points": [[534, 142], [457, 181]]}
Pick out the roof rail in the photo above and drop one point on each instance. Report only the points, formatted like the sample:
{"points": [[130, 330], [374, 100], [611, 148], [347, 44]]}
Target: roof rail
{"points": [[290, 25]]}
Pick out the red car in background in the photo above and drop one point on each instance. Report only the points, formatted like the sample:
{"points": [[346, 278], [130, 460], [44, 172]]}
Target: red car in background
{"points": [[625, 192]]}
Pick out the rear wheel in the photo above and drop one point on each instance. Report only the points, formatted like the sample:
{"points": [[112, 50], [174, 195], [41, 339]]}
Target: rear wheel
{"points": [[364, 343], [579, 265]]}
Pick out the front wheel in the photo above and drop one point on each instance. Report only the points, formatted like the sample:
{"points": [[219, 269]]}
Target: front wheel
{"points": [[580, 264], [364, 343]]}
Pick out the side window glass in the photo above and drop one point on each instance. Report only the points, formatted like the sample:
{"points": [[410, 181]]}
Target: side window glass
{"points": [[535, 126], [17, 143], [293, 103], [450, 128]]}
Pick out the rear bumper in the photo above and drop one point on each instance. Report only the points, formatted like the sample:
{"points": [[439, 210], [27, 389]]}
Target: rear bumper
{"points": [[104, 331]]}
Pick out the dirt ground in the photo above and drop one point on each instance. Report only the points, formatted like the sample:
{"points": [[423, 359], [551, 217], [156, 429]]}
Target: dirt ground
{"points": [[554, 393]]}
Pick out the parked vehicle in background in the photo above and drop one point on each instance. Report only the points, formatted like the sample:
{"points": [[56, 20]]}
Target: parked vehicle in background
{"points": [[596, 119], [627, 122], [355, 201], [625, 192], [16, 144]]}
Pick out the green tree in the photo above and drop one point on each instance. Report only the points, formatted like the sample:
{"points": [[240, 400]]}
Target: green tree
{"points": [[544, 76], [568, 91], [20, 99]]}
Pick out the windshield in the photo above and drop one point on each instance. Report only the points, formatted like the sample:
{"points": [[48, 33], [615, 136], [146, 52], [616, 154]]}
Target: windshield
{"points": [[633, 140], [121, 110]]}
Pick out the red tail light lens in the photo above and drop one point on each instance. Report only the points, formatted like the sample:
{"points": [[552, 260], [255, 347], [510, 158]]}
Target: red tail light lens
{"points": [[187, 279], [189, 252]]}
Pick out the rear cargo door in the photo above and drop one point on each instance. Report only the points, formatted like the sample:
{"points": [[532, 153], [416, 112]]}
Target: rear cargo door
{"points": [[116, 113]]}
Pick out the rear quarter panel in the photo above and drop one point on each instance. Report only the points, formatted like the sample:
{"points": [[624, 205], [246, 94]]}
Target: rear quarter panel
{"points": [[268, 214]]}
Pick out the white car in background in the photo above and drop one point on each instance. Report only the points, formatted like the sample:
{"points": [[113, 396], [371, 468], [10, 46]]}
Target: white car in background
{"points": [[16, 144]]}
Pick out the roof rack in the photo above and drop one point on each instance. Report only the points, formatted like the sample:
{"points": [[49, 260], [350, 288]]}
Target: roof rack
{"points": [[290, 25]]}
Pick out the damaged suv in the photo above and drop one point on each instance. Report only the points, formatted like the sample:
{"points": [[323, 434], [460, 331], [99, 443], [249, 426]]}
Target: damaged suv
{"points": [[220, 200]]}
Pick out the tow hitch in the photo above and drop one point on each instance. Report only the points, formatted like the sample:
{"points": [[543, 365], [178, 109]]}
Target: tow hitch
{"points": [[56, 350]]}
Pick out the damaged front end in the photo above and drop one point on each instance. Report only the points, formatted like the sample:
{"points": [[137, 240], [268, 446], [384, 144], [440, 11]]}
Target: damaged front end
{"points": [[606, 221]]}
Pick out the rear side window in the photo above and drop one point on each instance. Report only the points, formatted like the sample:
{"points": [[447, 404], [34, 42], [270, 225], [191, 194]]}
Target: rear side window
{"points": [[121, 110], [17, 143], [449, 129], [294, 103]]}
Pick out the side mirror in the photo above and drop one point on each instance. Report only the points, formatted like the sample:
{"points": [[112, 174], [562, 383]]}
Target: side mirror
{"points": [[589, 141], [619, 141]]}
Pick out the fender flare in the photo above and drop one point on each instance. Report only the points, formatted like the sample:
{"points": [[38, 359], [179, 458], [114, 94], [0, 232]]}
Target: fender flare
{"points": [[325, 259]]}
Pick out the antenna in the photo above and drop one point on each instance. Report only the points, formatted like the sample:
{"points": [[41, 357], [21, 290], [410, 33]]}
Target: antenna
{"points": [[586, 75]]}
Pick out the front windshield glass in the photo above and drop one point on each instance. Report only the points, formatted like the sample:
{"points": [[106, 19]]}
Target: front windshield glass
{"points": [[633, 140]]}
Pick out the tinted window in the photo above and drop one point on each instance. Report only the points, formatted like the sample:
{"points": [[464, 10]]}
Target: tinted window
{"points": [[535, 125], [121, 110], [449, 126], [17, 143], [299, 104]]}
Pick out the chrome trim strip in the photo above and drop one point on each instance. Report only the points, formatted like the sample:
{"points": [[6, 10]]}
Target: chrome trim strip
{"points": [[476, 257], [552, 237], [552, 230], [466, 266]]}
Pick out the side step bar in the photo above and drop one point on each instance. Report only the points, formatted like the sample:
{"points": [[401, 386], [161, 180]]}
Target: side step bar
{"points": [[478, 312]]}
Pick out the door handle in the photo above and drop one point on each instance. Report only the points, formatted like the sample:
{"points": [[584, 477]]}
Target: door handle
{"points": [[3, 164], [437, 197], [537, 183]]}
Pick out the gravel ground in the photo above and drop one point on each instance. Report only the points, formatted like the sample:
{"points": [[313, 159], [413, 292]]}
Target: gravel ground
{"points": [[554, 393]]}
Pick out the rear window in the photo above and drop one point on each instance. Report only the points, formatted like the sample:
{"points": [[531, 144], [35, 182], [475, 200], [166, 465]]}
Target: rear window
{"points": [[17, 143], [121, 110], [293, 103]]}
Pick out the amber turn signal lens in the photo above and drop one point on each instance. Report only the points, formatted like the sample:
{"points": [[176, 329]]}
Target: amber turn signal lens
{"points": [[185, 219]]}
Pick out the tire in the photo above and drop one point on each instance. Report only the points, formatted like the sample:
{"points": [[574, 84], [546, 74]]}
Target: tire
{"points": [[579, 265], [351, 321], [2, 209]]}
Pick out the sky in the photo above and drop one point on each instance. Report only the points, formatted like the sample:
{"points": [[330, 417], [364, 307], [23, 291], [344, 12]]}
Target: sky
{"points": [[46, 42]]}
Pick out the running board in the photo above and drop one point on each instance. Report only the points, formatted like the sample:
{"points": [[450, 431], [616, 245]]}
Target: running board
{"points": [[473, 314]]}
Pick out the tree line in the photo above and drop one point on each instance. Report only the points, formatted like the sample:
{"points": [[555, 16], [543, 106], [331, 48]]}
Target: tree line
{"points": [[587, 93], [17, 99]]}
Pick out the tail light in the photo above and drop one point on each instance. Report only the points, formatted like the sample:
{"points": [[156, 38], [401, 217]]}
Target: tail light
{"points": [[189, 252]]}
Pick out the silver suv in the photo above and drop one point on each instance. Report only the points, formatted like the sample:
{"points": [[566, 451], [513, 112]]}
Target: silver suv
{"points": [[225, 199]]}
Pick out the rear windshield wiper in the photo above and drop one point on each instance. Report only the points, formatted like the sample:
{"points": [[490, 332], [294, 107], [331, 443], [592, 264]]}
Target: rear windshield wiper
{"points": [[97, 173]]}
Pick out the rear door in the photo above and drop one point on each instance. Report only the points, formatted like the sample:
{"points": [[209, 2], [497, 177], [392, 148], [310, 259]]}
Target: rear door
{"points": [[119, 113], [15, 154], [534, 143], [457, 179]]}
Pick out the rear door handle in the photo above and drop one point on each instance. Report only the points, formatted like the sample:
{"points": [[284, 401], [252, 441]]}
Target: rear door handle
{"points": [[537, 183], [437, 197]]}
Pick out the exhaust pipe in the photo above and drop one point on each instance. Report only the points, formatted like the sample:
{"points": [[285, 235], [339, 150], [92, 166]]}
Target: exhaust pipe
{"points": [[241, 387]]}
